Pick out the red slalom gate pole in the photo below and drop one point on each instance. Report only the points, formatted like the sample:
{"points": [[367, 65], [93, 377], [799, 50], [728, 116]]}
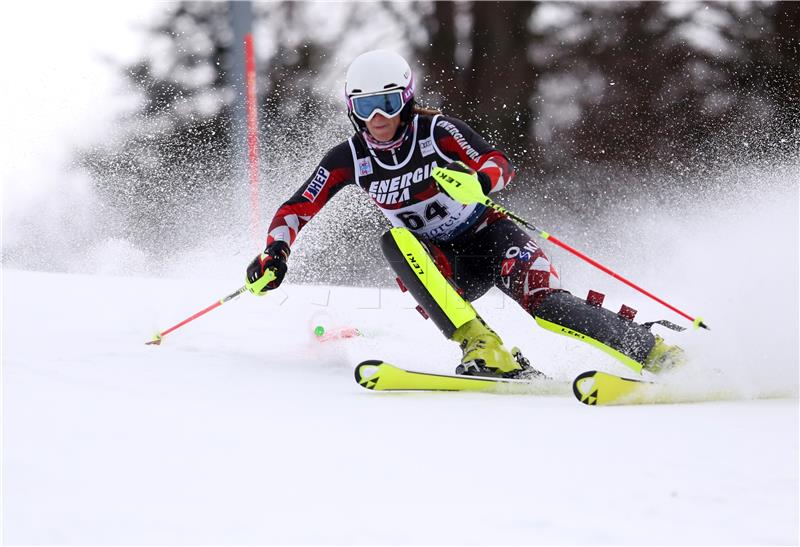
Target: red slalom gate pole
{"points": [[696, 321], [157, 337], [252, 135]]}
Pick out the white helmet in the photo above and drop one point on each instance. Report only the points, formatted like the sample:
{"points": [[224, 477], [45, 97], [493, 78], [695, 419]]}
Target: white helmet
{"points": [[379, 81]]}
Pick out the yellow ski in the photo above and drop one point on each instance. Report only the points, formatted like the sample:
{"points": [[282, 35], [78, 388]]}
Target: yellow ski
{"points": [[380, 376], [591, 388], [599, 388]]}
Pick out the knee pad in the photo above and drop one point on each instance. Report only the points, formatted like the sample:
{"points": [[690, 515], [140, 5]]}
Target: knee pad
{"points": [[417, 270], [612, 333]]}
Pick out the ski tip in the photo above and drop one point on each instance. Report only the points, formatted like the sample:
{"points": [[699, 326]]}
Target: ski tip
{"points": [[583, 388], [156, 341], [365, 370]]}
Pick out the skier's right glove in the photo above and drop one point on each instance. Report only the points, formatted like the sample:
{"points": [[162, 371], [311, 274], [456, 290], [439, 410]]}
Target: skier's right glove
{"points": [[268, 269]]}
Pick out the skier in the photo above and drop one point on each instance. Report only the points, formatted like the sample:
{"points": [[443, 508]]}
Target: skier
{"points": [[446, 249]]}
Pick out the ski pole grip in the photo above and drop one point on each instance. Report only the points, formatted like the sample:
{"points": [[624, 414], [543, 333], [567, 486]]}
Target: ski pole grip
{"points": [[258, 287]]}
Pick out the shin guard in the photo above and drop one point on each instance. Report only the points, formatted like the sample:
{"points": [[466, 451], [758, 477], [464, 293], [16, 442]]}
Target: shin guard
{"points": [[418, 272], [612, 333]]}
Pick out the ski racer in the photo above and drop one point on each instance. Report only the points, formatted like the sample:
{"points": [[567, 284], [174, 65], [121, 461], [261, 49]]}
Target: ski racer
{"points": [[446, 249]]}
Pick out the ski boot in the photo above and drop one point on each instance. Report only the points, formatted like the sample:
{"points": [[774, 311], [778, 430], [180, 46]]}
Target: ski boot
{"points": [[485, 355], [663, 357], [527, 372]]}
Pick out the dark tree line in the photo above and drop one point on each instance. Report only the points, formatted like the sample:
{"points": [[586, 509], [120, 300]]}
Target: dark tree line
{"points": [[559, 85]]}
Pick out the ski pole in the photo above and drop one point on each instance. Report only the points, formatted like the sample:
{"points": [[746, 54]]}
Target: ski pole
{"points": [[696, 321], [257, 286], [158, 336]]}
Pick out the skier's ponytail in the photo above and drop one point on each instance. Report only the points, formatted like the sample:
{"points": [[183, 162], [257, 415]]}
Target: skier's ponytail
{"points": [[425, 111]]}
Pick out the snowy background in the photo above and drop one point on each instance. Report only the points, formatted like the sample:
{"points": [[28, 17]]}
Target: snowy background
{"points": [[243, 429]]}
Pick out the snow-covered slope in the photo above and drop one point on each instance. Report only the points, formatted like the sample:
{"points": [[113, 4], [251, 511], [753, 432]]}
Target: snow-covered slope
{"points": [[241, 428]]}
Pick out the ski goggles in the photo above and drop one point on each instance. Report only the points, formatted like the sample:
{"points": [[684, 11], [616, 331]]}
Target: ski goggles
{"points": [[390, 104]]}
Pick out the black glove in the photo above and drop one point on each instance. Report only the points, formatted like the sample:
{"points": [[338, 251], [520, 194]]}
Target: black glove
{"points": [[273, 258], [483, 178]]}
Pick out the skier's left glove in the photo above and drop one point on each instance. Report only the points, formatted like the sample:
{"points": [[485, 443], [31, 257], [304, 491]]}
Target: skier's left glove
{"points": [[268, 269], [462, 183]]}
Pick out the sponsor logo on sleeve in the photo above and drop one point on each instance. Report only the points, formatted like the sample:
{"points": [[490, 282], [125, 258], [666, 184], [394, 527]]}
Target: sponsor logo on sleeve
{"points": [[460, 139], [364, 167], [316, 184]]}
